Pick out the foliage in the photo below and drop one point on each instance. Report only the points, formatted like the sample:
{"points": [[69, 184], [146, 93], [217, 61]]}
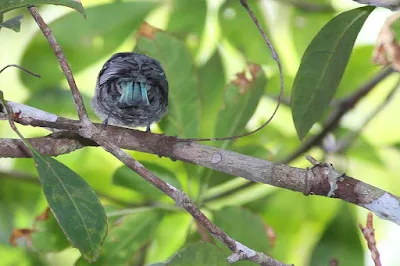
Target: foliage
{"points": [[205, 100]]}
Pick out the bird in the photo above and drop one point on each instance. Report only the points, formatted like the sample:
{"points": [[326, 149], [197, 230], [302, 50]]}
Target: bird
{"points": [[389, 4], [131, 90]]}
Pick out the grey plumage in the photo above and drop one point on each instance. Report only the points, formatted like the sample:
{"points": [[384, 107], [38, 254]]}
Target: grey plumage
{"points": [[131, 90]]}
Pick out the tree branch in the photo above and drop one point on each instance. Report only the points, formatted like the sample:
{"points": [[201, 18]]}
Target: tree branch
{"points": [[321, 180], [369, 234]]}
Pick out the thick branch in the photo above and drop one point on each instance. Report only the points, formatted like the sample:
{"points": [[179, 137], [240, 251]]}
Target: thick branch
{"points": [[321, 180]]}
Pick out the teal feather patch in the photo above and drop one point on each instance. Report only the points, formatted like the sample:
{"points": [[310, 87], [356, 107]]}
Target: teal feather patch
{"points": [[133, 94]]}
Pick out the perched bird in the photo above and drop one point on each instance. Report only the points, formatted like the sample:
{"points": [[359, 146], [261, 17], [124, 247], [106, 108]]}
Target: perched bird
{"points": [[131, 90]]}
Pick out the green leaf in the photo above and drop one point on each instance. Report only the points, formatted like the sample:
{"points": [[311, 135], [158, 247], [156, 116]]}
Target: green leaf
{"points": [[359, 69], [188, 18], [232, 16], [340, 241], [75, 205], [126, 238], [322, 67], [127, 178], [13, 23], [240, 102], [199, 254], [212, 83], [48, 237], [7, 5], [184, 104], [247, 227], [84, 42]]}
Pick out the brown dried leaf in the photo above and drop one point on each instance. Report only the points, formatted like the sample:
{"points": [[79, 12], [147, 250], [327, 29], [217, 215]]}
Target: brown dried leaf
{"points": [[147, 30], [387, 48], [271, 235], [242, 81], [43, 216], [18, 233]]}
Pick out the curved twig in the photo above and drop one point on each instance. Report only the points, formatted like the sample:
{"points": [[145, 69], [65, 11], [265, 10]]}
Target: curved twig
{"points": [[22, 68], [275, 56]]}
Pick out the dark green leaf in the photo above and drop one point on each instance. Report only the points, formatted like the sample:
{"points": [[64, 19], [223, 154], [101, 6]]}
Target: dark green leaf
{"points": [[212, 82], [13, 23], [126, 238], [240, 102], [183, 110], [48, 236], [238, 28], [253, 236], [340, 241], [7, 5], [97, 36], [127, 178], [75, 205], [199, 254], [322, 67]]}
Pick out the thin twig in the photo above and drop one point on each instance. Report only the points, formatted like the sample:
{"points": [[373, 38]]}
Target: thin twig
{"points": [[78, 100], [275, 56], [369, 235], [88, 130], [20, 67]]}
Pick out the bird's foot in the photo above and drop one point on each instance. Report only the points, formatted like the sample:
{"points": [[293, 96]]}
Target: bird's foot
{"points": [[105, 122], [148, 129]]}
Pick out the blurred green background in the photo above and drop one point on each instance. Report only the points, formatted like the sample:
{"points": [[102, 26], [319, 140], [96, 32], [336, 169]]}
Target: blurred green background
{"points": [[213, 41]]}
